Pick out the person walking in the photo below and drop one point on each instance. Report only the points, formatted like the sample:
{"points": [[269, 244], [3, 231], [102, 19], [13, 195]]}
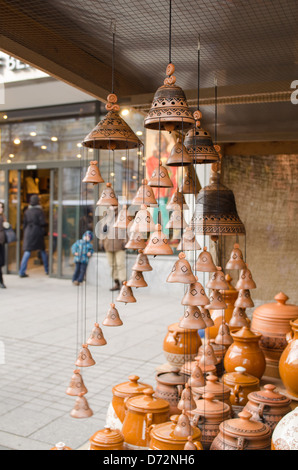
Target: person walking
{"points": [[34, 231], [2, 244], [82, 250]]}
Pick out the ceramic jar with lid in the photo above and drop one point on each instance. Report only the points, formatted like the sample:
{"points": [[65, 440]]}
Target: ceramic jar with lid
{"points": [[268, 405], [242, 433], [180, 345], [61, 446], [245, 352], [288, 363], [272, 321], [207, 416], [121, 392], [284, 436], [106, 439], [240, 384], [169, 386], [143, 411], [220, 391]]}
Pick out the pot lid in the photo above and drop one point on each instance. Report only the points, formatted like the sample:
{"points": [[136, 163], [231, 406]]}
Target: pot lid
{"points": [[131, 388], [240, 377], [245, 334], [244, 426], [147, 403], [279, 310], [269, 396], [209, 406], [171, 378], [213, 386], [165, 432], [106, 437]]}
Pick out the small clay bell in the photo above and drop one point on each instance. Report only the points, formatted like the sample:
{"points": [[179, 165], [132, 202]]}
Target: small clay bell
{"points": [[217, 280], [181, 271], [123, 219], [179, 155], [188, 241], [223, 336], [190, 183], [245, 280], [244, 299], [177, 201], [144, 195], [96, 337], [216, 301], [125, 294], [205, 263], [195, 295], [192, 319], [160, 178], [93, 174], [238, 319], [76, 385], [135, 242], [81, 408], [158, 243], [187, 402], [236, 259], [206, 317], [208, 357], [143, 221], [176, 221], [137, 280], [142, 263], [183, 426], [197, 378], [108, 197], [112, 318], [84, 358], [190, 445]]}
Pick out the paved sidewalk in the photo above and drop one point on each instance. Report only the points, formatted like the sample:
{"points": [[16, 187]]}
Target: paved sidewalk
{"points": [[38, 328]]}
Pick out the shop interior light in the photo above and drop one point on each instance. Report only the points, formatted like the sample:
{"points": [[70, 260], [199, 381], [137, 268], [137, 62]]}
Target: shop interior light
{"points": [[134, 177], [54, 139], [112, 174], [33, 134], [43, 147], [11, 155], [79, 145], [125, 112], [5, 116], [123, 158], [8, 161], [17, 141], [139, 133], [79, 155]]}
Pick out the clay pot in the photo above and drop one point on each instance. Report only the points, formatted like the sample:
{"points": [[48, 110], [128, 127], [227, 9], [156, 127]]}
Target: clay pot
{"points": [[144, 195], [245, 352], [192, 319], [268, 405], [106, 439], [96, 337], [160, 178], [179, 155], [169, 386], [205, 263], [188, 368], [241, 384], [142, 264], [288, 363], [143, 411], [168, 436], [180, 345], [284, 436], [236, 259], [242, 433], [81, 408], [272, 321], [93, 174], [181, 271], [219, 390], [195, 295], [238, 320], [108, 197], [188, 241], [158, 243], [76, 385]]}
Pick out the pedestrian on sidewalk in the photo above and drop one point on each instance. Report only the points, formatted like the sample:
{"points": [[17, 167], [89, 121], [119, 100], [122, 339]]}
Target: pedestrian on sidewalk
{"points": [[82, 250], [34, 231], [2, 244]]}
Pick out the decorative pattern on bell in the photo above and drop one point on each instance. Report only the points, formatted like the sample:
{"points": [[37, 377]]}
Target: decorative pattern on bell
{"points": [[137, 280], [84, 358], [158, 243], [216, 301], [217, 280], [125, 294], [112, 317], [186, 402], [179, 155], [181, 271], [96, 337], [177, 201], [81, 408], [188, 241], [197, 378], [169, 110], [236, 259], [123, 218], [136, 241], [244, 299], [238, 319], [176, 221], [143, 221], [195, 295], [223, 336], [245, 280], [199, 144], [76, 385], [142, 263], [190, 183], [108, 197], [206, 317], [112, 132], [93, 174], [160, 178], [205, 262], [145, 195], [192, 319]]}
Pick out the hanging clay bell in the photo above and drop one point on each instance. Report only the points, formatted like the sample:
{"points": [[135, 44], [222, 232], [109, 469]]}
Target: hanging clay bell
{"points": [[76, 385], [145, 195], [143, 221], [183, 427], [186, 402], [93, 174], [96, 337], [190, 183], [137, 280], [125, 294], [205, 262], [195, 295], [176, 221], [160, 178], [208, 357], [223, 336], [238, 320], [142, 263], [190, 445], [112, 318], [177, 201], [199, 145], [188, 241], [217, 280], [84, 358], [216, 301], [108, 197], [244, 299], [206, 317], [245, 280], [236, 259], [123, 218], [81, 408], [192, 319], [179, 155], [197, 378], [158, 243], [181, 271], [136, 241]]}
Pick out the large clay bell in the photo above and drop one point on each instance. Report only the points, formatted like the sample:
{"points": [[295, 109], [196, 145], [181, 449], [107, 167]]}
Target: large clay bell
{"points": [[137, 280], [244, 299], [179, 155], [217, 280], [143, 221], [223, 336], [195, 295], [205, 262], [176, 221], [108, 197], [85, 358], [177, 201], [186, 401], [160, 178], [144, 195], [206, 317], [93, 174], [136, 241], [188, 241], [76, 385], [158, 243], [236, 259], [200, 146], [190, 183], [81, 408], [142, 263], [181, 271], [123, 219], [96, 337], [169, 110], [112, 317], [216, 301], [125, 294], [192, 319], [245, 280]]}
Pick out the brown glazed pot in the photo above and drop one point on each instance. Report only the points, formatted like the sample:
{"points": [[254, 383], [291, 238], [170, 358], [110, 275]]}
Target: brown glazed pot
{"points": [[164, 437], [180, 345], [143, 411], [288, 363], [242, 433], [169, 386], [284, 436], [240, 384], [268, 405], [245, 352], [106, 439]]}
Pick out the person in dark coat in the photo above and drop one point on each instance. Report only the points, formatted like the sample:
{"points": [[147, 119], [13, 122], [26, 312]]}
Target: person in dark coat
{"points": [[34, 232], [2, 244]]}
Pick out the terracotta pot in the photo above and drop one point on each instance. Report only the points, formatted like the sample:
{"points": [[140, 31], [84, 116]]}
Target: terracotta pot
{"points": [[288, 363], [180, 345], [106, 439], [143, 411], [284, 436], [268, 405], [169, 386], [240, 384], [242, 434], [165, 437], [272, 321], [245, 352], [219, 390]]}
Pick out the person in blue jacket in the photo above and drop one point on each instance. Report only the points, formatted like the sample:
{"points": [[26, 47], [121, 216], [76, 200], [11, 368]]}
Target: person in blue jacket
{"points": [[82, 250]]}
